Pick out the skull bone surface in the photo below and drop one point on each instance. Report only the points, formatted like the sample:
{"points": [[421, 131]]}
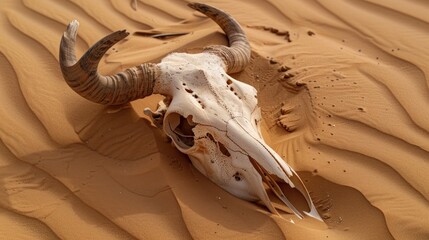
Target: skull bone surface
{"points": [[209, 116]]}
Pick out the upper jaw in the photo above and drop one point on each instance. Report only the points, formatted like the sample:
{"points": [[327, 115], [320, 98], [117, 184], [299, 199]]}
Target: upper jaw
{"points": [[272, 171]]}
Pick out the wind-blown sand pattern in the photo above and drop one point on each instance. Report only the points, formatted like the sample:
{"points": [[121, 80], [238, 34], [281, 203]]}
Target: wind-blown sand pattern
{"points": [[344, 93]]}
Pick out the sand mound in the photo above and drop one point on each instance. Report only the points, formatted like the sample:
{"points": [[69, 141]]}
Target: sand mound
{"points": [[343, 88]]}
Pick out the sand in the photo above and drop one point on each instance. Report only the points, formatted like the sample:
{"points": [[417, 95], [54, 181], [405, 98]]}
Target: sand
{"points": [[344, 92]]}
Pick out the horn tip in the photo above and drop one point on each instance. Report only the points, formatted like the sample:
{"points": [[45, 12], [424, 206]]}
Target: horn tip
{"points": [[74, 22], [198, 6], [71, 30], [122, 34], [192, 5]]}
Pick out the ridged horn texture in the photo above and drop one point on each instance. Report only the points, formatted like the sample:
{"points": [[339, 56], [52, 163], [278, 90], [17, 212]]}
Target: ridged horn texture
{"points": [[82, 76], [237, 55]]}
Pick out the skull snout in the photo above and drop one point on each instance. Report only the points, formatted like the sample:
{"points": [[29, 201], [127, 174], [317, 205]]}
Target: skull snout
{"points": [[272, 170], [238, 160]]}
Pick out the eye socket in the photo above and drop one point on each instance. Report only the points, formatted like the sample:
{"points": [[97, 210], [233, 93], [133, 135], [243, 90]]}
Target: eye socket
{"points": [[180, 130]]}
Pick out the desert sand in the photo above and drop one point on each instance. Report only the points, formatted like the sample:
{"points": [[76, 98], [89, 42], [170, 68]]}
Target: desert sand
{"points": [[344, 92]]}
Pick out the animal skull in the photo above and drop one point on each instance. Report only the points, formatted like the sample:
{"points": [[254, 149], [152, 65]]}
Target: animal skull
{"points": [[209, 116]]}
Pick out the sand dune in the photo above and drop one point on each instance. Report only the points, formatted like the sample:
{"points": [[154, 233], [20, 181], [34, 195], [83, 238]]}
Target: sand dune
{"points": [[344, 91]]}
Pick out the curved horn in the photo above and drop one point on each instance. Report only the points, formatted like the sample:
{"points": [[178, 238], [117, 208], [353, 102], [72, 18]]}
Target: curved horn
{"points": [[237, 56], [82, 76]]}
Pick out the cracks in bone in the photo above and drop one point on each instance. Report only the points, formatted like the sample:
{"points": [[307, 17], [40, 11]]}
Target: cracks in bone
{"points": [[263, 145], [241, 151], [229, 150], [218, 98], [213, 147]]}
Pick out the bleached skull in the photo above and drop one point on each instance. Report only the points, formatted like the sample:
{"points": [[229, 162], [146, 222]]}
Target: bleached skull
{"points": [[209, 116]]}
